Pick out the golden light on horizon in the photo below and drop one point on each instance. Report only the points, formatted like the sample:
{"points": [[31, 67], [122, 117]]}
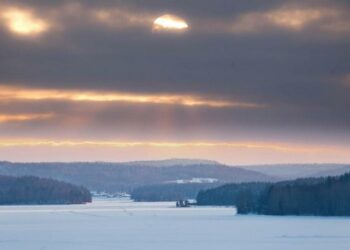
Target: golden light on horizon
{"points": [[24, 22], [272, 146], [17, 93], [23, 117], [169, 22], [233, 153]]}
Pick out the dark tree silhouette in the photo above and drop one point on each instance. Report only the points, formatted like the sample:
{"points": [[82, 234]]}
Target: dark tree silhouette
{"points": [[314, 196], [34, 190]]}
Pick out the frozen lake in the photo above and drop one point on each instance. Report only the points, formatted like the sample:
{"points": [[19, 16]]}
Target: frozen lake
{"points": [[124, 225]]}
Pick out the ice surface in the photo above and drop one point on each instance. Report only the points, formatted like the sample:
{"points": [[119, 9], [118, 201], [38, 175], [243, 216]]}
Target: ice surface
{"points": [[124, 225]]}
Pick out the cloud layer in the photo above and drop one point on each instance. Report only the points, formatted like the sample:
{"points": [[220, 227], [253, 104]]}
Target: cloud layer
{"points": [[238, 71]]}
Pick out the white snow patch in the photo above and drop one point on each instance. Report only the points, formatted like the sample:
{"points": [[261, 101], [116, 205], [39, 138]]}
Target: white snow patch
{"points": [[194, 180]]}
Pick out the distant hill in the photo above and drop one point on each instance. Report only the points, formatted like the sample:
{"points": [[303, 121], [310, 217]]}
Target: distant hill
{"points": [[124, 177], [294, 171], [172, 162], [34, 190], [339, 170]]}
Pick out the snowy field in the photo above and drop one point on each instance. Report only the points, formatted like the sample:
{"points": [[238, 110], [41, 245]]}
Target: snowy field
{"points": [[124, 225]]}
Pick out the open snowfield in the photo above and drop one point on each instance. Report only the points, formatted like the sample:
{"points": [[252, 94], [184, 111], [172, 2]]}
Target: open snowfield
{"points": [[124, 225]]}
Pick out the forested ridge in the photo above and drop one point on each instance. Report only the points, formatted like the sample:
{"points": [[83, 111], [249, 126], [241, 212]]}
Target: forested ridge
{"points": [[314, 196], [34, 190], [232, 194], [125, 177]]}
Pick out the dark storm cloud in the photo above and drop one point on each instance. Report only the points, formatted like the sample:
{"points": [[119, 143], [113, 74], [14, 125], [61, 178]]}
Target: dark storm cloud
{"points": [[297, 73]]}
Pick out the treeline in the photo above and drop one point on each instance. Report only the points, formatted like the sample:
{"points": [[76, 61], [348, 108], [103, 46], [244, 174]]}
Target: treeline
{"points": [[34, 190], [244, 196], [315, 196], [169, 192]]}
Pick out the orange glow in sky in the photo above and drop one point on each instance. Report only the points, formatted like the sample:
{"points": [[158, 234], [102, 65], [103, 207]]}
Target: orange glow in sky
{"points": [[11, 93], [239, 152], [23, 117]]}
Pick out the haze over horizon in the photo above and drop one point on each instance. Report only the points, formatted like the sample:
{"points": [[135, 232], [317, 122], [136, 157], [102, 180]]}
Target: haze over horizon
{"points": [[232, 81]]}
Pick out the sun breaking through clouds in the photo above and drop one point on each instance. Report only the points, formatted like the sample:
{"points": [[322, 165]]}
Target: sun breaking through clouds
{"points": [[24, 22], [169, 22]]}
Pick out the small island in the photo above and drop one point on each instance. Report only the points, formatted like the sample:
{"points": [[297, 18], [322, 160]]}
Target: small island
{"points": [[29, 190]]}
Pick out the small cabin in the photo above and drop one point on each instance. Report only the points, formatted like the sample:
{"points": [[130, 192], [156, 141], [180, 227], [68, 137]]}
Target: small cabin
{"points": [[182, 203]]}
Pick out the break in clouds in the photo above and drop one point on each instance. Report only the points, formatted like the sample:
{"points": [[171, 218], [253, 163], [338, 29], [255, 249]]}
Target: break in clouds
{"points": [[181, 70]]}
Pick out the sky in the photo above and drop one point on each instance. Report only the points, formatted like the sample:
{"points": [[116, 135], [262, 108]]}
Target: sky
{"points": [[240, 82]]}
